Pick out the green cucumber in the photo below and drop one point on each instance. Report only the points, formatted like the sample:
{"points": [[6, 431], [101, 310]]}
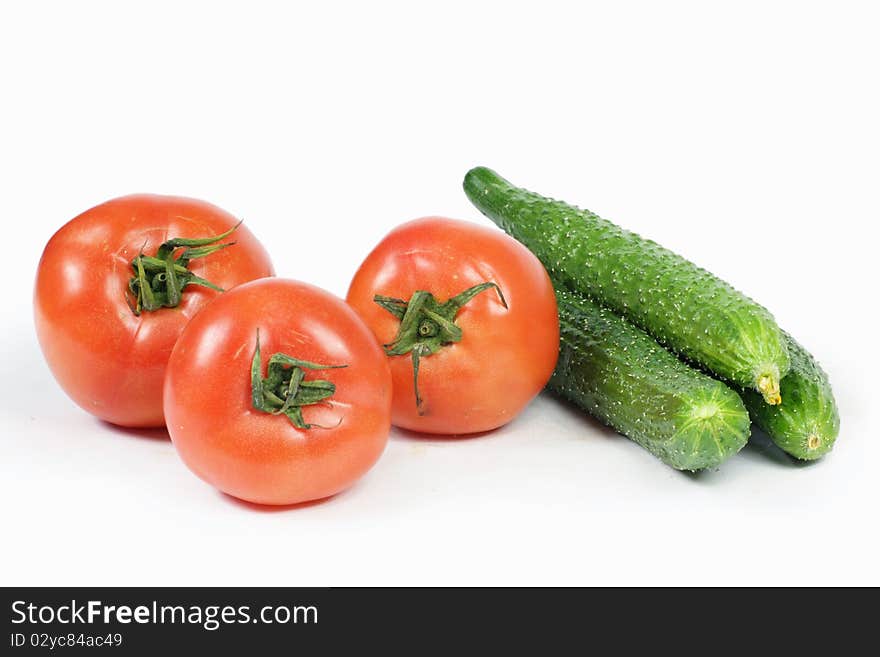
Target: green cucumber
{"points": [[806, 423], [687, 309], [622, 376]]}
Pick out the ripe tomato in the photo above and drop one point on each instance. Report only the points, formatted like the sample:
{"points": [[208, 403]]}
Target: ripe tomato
{"points": [[103, 343], [468, 318], [277, 393]]}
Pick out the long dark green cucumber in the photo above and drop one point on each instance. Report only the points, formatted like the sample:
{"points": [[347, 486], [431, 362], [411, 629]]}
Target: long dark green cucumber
{"points": [[687, 309], [619, 374], [806, 423]]}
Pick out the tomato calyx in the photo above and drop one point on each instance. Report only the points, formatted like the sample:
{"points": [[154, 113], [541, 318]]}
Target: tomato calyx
{"points": [[426, 325], [284, 390], [159, 280]]}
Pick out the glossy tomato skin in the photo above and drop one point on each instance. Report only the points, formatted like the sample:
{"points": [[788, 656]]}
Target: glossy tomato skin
{"points": [[260, 457], [505, 357], [108, 360]]}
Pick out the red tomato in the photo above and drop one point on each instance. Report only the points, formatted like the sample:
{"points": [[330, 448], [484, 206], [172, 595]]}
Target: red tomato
{"points": [[108, 359], [482, 377], [229, 441]]}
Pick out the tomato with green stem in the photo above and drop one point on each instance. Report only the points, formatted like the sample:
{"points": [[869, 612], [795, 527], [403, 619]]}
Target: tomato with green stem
{"points": [[277, 393], [467, 317], [116, 285]]}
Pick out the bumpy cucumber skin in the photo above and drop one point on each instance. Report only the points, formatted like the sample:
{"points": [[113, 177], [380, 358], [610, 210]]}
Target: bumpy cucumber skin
{"points": [[807, 422], [619, 374], [687, 309]]}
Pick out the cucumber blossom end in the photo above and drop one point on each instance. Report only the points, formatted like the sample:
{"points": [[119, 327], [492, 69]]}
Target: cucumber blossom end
{"points": [[767, 383], [806, 422]]}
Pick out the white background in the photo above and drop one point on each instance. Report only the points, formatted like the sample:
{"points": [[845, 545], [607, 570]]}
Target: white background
{"points": [[743, 135]]}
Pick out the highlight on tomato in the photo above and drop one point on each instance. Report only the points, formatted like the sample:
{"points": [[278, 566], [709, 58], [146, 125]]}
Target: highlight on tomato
{"points": [[116, 285], [277, 393], [467, 317]]}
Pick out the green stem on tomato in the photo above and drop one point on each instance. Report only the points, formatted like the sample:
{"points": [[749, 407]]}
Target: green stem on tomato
{"points": [[159, 281], [284, 390], [426, 325]]}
